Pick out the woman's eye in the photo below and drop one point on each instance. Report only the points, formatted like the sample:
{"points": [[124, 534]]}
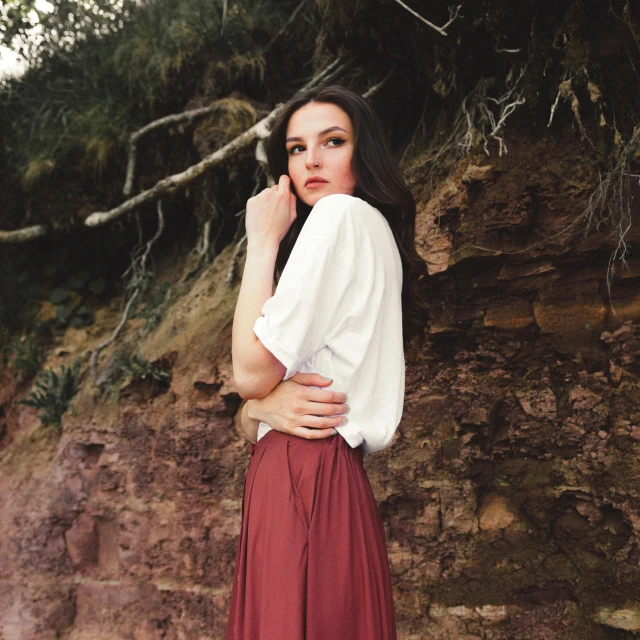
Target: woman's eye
{"points": [[338, 141], [296, 146]]}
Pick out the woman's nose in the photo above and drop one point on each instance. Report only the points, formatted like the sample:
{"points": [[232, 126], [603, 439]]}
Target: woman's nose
{"points": [[312, 159]]}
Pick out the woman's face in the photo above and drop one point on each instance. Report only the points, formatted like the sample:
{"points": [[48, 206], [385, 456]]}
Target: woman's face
{"points": [[320, 144]]}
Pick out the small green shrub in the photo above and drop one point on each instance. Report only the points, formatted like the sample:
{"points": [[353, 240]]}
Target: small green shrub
{"points": [[54, 392], [128, 367], [136, 366], [26, 355]]}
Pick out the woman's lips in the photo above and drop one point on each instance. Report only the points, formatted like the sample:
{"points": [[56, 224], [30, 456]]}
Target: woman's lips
{"points": [[313, 183]]}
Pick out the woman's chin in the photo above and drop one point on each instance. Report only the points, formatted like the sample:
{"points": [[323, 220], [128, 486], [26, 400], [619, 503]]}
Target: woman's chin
{"points": [[311, 198]]}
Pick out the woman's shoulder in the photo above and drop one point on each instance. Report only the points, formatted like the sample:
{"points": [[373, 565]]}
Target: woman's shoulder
{"points": [[342, 203], [339, 209]]}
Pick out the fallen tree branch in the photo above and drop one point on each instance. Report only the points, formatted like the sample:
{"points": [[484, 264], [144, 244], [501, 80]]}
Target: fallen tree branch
{"points": [[172, 183], [156, 124], [24, 235], [453, 14]]}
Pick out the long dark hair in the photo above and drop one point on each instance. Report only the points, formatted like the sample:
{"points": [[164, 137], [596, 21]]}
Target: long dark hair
{"points": [[378, 182]]}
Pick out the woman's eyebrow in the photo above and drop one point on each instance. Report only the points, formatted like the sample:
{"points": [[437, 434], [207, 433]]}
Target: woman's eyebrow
{"points": [[329, 130]]}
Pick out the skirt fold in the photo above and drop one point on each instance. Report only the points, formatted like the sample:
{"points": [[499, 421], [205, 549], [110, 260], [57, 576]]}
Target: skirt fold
{"points": [[311, 561]]}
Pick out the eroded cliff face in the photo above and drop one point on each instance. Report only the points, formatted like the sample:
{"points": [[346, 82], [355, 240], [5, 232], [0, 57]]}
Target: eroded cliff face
{"points": [[510, 495]]}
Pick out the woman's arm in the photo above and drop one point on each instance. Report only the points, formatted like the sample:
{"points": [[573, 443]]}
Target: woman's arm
{"points": [[268, 217], [297, 408], [255, 369]]}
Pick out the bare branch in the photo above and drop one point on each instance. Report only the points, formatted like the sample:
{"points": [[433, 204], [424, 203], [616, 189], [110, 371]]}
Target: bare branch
{"points": [[93, 362], [453, 14], [172, 183], [156, 124], [23, 235]]}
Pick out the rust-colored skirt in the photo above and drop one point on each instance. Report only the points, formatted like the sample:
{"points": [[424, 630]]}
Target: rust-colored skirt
{"points": [[312, 560]]}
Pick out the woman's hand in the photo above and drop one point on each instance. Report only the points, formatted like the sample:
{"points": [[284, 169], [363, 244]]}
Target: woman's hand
{"points": [[295, 408], [270, 213]]}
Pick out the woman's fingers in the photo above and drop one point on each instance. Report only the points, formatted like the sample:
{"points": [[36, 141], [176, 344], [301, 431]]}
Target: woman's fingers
{"points": [[323, 396], [325, 408], [283, 183], [311, 434], [320, 422]]}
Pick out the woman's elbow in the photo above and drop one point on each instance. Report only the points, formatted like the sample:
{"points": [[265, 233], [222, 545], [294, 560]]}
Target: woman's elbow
{"points": [[259, 381], [251, 387], [247, 389]]}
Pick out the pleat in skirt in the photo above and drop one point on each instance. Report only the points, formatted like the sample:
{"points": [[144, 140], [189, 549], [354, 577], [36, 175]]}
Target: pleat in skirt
{"points": [[311, 561]]}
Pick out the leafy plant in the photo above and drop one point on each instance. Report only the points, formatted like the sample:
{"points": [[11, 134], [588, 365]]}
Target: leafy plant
{"points": [[101, 69], [26, 355], [129, 367], [53, 392], [136, 366]]}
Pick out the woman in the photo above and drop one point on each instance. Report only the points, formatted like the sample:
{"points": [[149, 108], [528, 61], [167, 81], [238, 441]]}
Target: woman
{"points": [[311, 561]]}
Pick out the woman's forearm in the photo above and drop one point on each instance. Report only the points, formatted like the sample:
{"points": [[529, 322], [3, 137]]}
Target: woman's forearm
{"points": [[255, 369]]}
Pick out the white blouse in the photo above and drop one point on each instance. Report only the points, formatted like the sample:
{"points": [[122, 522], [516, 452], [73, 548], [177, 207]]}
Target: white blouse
{"points": [[337, 311]]}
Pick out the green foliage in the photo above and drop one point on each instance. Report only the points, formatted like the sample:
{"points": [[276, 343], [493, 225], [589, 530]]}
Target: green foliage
{"points": [[136, 366], [36, 30], [128, 367], [53, 392], [26, 356], [78, 104]]}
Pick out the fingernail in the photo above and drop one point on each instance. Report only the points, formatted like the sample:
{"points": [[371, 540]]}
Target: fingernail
{"points": [[334, 432], [344, 421], [326, 379], [348, 409]]}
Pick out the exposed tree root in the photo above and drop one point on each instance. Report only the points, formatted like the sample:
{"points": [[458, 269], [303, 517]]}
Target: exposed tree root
{"points": [[138, 283], [610, 203], [566, 92], [491, 121]]}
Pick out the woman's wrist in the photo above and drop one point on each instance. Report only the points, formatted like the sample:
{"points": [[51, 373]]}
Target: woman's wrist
{"points": [[264, 245]]}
